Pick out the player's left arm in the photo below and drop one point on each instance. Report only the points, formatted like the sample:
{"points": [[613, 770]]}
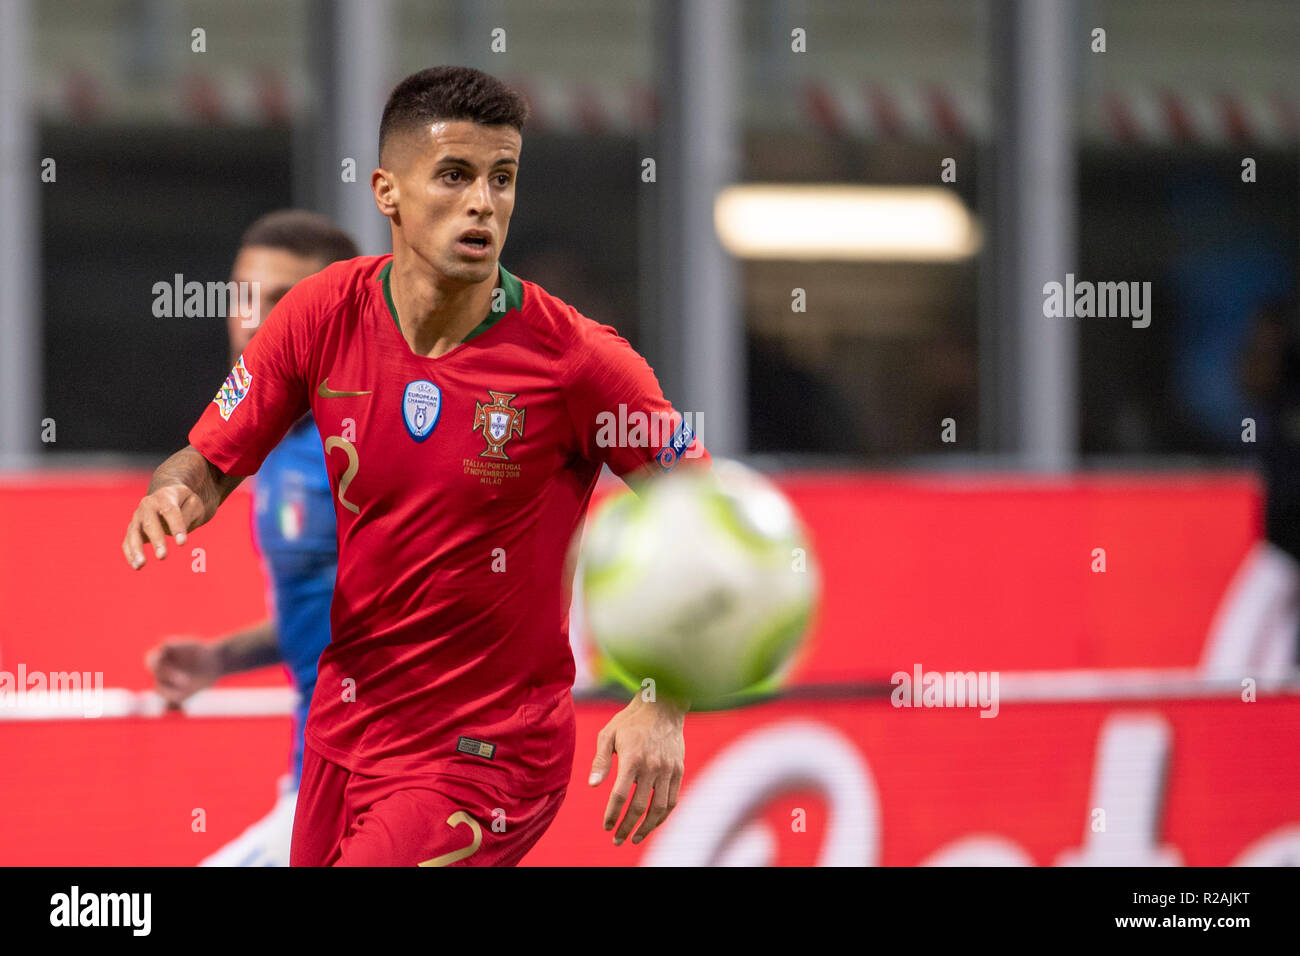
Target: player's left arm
{"points": [[648, 734], [649, 738]]}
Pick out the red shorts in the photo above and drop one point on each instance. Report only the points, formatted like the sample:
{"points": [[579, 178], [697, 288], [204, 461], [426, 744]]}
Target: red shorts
{"points": [[347, 819]]}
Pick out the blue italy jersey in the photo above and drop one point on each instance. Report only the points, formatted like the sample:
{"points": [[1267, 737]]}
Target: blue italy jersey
{"points": [[293, 516]]}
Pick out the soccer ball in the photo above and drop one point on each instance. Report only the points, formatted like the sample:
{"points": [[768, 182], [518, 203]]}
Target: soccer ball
{"points": [[703, 582]]}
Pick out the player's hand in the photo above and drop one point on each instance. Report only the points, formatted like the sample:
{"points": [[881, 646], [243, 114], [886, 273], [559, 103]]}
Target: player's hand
{"points": [[651, 757], [182, 668], [172, 509]]}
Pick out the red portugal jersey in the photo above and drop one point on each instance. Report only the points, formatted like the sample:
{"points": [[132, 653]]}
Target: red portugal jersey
{"points": [[459, 482]]}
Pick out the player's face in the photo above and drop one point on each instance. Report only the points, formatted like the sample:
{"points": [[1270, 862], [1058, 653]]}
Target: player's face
{"points": [[275, 272], [453, 196]]}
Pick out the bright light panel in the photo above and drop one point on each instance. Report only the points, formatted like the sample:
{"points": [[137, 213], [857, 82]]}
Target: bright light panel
{"points": [[853, 223]]}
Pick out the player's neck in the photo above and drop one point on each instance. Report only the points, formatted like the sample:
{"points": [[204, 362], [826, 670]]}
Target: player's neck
{"points": [[435, 316]]}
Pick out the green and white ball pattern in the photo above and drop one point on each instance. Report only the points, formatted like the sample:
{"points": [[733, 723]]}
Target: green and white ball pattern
{"points": [[704, 582]]}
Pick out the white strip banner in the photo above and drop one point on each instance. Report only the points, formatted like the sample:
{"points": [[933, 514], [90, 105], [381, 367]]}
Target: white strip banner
{"points": [[1013, 687]]}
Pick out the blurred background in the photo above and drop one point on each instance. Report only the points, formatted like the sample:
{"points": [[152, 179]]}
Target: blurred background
{"points": [[959, 454]]}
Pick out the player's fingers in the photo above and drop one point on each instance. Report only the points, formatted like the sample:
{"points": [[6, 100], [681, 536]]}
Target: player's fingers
{"points": [[133, 546], [618, 795], [604, 756], [172, 693], [151, 528], [171, 678], [168, 671], [674, 788], [658, 811], [176, 522], [640, 800]]}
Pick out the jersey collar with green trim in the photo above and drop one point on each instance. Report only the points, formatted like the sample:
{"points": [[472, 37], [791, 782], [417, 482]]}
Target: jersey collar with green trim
{"points": [[513, 299]]}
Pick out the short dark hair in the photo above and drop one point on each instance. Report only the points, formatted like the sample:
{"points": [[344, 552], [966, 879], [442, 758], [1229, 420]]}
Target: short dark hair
{"points": [[306, 234], [450, 93]]}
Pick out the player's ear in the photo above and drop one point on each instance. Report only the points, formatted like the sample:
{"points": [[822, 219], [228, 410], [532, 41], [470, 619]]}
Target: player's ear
{"points": [[384, 185]]}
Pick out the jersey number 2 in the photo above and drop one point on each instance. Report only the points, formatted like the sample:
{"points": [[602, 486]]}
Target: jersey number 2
{"points": [[354, 462], [455, 820]]}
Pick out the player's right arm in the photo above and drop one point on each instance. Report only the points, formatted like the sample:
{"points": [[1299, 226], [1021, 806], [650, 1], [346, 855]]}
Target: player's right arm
{"points": [[264, 394], [185, 492]]}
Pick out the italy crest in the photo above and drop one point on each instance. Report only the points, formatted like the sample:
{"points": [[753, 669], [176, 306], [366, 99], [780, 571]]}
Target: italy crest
{"points": [[499, 423]]}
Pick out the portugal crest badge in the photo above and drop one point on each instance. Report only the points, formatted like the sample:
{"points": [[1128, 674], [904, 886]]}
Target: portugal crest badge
{"points": [[499, 422], [421, 405]]}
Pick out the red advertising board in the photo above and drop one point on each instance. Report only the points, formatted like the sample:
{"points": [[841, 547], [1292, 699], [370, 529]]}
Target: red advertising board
{"points": [[1206, 782], [953, 572], [1199, 782], [1088, 595]]}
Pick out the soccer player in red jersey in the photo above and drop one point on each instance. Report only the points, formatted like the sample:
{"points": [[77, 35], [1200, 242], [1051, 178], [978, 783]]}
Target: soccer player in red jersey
{"points": [[458, 409]]}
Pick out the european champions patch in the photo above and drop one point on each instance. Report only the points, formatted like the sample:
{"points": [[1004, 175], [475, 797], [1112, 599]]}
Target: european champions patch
{"points": [[234, 389], [421, 406]]}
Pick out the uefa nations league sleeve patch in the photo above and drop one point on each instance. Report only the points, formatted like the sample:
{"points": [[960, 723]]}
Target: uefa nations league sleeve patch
{"points": [[234, 389]]}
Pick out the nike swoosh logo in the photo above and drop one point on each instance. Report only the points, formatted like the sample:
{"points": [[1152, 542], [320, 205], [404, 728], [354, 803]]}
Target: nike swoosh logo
{"points": [[324, 391]]}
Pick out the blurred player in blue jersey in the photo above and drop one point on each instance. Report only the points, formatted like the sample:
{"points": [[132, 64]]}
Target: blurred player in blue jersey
{"points": [[294, 530]]}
